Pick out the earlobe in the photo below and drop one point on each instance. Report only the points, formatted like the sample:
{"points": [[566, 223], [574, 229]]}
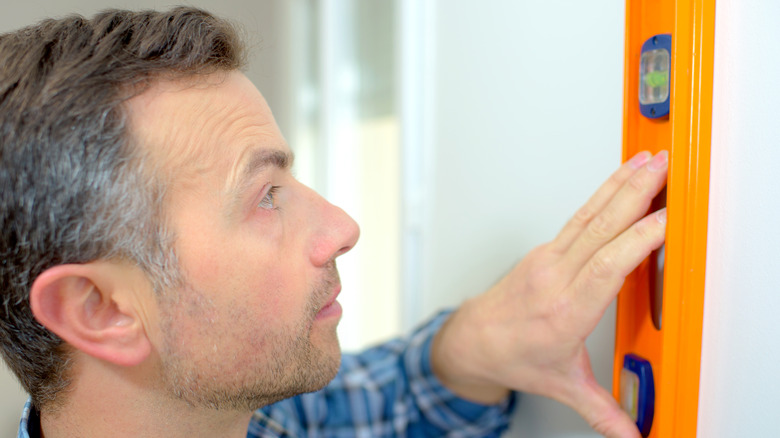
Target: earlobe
{"points": [[92, 310]]}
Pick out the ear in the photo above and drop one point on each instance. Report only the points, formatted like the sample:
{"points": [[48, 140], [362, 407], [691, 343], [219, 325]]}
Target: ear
{"points": [[92, 308]]}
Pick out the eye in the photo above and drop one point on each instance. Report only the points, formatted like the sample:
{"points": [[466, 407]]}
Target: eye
{"points": [[269, 200]]}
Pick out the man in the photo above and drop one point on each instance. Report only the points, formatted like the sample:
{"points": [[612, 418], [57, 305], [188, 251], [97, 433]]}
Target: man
{"points": [[163, 274]]}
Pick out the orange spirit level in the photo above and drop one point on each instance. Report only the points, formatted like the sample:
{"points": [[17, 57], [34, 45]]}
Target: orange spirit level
{"points": [[667, 105]]}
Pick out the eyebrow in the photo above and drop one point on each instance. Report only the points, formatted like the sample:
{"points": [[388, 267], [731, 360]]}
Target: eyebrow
{"points": [[260, 159]]}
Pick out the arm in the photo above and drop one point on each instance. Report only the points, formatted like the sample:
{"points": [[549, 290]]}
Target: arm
{"points": [[528, 332], [388, 390]]}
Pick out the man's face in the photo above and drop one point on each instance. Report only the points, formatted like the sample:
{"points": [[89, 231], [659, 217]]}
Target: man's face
{"points": [[256, 319]]}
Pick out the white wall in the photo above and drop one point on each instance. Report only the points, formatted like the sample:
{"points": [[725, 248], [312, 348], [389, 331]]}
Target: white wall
{"points": [[739, 379], [526, 124]]}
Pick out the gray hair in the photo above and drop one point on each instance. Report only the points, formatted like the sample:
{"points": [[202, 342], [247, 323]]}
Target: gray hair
{"points": [[74, 187]]}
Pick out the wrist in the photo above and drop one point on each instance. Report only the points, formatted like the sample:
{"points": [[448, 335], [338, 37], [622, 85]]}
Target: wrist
{"points": [[456, 359]]}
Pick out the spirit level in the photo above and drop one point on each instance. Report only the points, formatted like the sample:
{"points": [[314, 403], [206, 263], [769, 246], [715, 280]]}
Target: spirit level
{"points": [[667, 105]]}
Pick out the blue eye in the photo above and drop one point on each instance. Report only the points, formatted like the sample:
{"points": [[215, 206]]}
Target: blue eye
{"points": [[269, 200]]}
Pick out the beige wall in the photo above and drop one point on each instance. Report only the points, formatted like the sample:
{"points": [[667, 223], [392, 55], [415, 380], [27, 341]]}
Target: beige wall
{"points": [[264, 23], [11, 402]]}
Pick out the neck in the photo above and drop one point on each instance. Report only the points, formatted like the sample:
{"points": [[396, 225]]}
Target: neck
{"points": [[123, 402]]}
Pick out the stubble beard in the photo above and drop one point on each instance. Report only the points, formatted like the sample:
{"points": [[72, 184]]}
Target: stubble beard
{"points": [[292, 365]]}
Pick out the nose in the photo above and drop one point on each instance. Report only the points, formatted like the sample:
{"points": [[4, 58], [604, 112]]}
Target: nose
{"points": [[335, 233]]}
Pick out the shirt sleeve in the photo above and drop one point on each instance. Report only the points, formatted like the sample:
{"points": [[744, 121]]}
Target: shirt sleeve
{"points": [[386, 391]]}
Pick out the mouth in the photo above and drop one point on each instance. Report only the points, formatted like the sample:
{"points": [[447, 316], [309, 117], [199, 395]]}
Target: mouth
{"points": [[332, 308]]}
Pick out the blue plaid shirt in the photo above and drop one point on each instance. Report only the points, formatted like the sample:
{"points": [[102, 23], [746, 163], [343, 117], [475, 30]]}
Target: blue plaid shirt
{"points": [[386, 391]]}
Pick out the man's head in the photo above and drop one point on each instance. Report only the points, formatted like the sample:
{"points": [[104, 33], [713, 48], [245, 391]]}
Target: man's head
{"points": [[149, 215]]}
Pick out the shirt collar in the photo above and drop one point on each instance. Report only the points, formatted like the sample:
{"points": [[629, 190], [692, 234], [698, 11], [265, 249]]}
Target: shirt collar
{"points": [[30, 424]]}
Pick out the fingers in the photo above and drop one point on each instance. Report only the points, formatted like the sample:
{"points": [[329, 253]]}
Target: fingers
{"points": [[626, 206], [597, 284], [599, 200], [604, 415]]}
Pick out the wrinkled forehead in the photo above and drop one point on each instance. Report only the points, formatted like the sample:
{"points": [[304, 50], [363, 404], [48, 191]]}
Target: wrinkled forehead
{"points": [[200, 124]]}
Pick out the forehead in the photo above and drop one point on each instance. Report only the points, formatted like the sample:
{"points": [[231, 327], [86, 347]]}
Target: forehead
{"points": [[202, 124]]}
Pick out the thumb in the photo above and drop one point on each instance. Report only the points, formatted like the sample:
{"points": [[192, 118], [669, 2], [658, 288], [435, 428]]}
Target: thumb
{"points": [[602, 412]]}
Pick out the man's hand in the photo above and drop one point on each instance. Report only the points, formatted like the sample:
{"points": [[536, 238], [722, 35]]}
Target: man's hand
{"points": [[528, 332]]}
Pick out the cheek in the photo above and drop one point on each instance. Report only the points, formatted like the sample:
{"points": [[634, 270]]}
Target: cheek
{"points": [[257, 266], [241, 280]]}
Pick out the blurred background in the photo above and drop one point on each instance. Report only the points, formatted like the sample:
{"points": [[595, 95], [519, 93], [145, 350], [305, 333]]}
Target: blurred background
{"points": [[458, 134]]}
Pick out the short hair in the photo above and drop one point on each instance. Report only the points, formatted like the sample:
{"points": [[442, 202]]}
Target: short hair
{"points": [[74, 187]]}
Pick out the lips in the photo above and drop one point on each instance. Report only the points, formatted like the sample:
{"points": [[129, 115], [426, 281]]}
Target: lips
{"points": [[332, 308]]}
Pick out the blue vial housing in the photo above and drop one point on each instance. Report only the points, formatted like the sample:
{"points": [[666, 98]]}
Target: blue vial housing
{"points": [[646, 392], [656, 110]]}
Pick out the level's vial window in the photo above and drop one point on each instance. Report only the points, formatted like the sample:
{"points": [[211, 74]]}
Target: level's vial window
{"points": [[655, 67], [654, 83], [629, 393]]}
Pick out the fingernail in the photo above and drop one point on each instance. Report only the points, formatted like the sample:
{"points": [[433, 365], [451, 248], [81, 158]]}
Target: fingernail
{"points": [[639, 159], [660, 215], [659, 162]]}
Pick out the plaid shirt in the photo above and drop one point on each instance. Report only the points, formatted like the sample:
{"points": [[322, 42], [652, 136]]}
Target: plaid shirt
{"points": [[386, 391]]}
